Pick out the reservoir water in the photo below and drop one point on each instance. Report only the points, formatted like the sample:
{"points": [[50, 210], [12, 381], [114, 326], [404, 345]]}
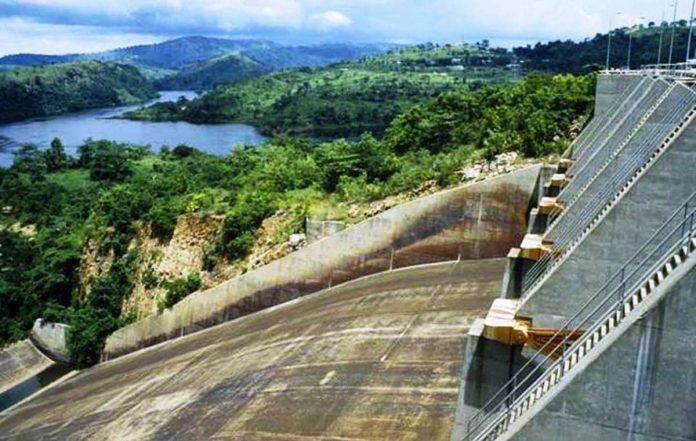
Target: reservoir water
{"points": [[74, 128]]}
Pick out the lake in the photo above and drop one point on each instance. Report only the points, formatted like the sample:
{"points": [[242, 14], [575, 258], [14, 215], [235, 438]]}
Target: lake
{"points": [[74, 128]]}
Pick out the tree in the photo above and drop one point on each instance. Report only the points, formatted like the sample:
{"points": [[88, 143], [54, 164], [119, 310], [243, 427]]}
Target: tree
{"points": [[110, 163], [29, 159], [56, 158]]}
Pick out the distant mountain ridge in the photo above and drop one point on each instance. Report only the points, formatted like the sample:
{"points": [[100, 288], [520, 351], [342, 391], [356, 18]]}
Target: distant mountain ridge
{"points": [[203, 62]]}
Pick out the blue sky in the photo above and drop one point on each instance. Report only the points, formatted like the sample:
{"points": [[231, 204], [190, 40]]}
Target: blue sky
{"points": [[64, 26]]}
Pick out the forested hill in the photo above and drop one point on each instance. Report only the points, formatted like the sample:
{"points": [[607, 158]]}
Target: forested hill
{"points": [[214, 59], [342, 99], [50, 90], [588, 55]]}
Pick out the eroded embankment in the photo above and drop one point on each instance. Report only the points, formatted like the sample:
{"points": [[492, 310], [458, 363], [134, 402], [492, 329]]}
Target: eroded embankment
{"points": [[476, 221], [377, 358]]}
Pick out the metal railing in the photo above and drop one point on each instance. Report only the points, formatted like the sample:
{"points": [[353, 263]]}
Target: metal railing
{"points": [[630, 125], [607, 121], [569, 226], [686, 70], [609, 302], [576, 216]]}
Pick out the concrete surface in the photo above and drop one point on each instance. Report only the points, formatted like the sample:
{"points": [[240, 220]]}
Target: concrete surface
{"points": [[319, 229], [641, 388], [51, 339], [627, 226], [475, 221], [610, 87], [374, 359], [20, 362]]}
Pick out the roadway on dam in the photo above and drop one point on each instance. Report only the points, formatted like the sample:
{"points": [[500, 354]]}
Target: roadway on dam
{"points": [[373, 359]]}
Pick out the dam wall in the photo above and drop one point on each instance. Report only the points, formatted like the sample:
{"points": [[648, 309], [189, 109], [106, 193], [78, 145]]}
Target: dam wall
{"points": [[609, 88], [664, 186], [641, 388], [476, 221], [20, 362]]}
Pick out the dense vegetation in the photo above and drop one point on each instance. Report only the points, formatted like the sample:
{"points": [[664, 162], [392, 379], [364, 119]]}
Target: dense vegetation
{"points": [[214, 72], [50, 90], [344, 99], [52, 204], [590, 54]]}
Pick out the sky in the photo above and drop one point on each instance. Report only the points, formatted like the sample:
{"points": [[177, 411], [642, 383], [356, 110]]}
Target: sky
{"points": [[73, 26]]}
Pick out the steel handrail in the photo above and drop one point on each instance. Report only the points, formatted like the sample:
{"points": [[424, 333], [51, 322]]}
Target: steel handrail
{"points": [[579, 147], [563, 233], [536, 272], [688, 211], [682, 107], [617, 112], [582, 179]]}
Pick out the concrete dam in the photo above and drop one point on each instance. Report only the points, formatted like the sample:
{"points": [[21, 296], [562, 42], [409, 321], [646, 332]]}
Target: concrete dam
{"points": [[544, 304]]}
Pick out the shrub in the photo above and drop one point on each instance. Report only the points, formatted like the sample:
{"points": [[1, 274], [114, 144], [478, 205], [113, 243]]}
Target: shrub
{"points": [[178, 289]]}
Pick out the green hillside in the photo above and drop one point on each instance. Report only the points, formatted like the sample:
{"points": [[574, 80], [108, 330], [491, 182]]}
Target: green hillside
{"points": [[226, 69], [204, 62], [50, 90], [343, 99]]}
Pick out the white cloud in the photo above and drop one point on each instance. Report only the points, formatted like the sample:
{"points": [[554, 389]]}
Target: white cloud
{"points": [[311, 20], [22, 36], [330, 19]]}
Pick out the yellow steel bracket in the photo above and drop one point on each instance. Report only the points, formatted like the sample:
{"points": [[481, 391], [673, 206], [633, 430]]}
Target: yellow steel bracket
{"points": [[504, 326]]}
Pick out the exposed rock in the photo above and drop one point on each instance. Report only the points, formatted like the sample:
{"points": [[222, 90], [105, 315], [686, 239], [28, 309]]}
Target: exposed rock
{"points": [[503, 163], [94, 264], [182, 255]]}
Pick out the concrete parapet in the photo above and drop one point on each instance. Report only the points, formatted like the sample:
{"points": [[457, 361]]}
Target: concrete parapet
{"points": [[319, 229], [475, 221]]}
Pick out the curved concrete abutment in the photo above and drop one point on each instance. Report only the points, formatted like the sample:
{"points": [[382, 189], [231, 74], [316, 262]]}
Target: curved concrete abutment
{"points": [[476, 221], [375, 358]]}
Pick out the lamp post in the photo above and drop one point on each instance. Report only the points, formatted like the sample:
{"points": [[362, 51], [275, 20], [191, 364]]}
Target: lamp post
{"points": [[691, 31], [662, 36], [630, 43], [609, 39], [674, 28]]}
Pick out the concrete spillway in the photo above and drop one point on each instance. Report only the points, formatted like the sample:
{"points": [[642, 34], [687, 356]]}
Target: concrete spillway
{"points": [[377, 358], [474, 221]]}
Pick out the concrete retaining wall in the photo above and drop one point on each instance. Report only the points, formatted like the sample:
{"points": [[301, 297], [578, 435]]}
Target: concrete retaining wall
{"points": [[51, 338], [476, 221], [19, 362]]}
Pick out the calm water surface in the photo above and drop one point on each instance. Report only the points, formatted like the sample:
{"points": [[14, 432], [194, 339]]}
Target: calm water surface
{"points": [[74, 128]]}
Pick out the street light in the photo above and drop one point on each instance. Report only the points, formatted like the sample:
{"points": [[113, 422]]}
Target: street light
{"points": [[674, 28], [691, 30], [630, 42], [662, 36], [609, 38]]}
